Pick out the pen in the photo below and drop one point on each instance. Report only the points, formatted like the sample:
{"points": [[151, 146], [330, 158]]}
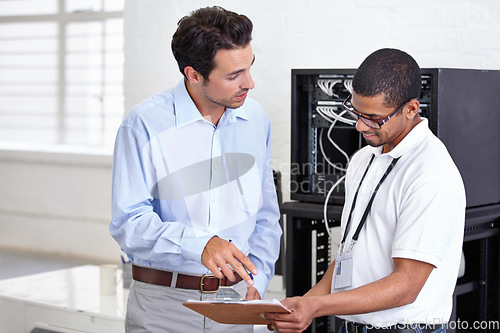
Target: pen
{"points": [[251, 275], [246, 269]]}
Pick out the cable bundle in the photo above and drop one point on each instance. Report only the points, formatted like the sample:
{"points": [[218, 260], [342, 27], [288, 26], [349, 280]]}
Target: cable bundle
{"points": [[327, 86]]}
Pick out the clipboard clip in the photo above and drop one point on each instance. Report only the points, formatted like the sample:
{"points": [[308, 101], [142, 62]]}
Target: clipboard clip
{"points": [[227, 294]]}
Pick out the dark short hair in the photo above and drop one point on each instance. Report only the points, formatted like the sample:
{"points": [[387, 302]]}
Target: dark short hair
{"points": [[202, 33], [391, 72]]}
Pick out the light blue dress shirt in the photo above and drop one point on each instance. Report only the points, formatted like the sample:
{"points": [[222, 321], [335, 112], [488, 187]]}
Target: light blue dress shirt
{"points": [[178, 180]]}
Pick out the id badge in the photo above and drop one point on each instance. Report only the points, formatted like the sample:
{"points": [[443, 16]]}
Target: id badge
{"points": [[343, 271]]}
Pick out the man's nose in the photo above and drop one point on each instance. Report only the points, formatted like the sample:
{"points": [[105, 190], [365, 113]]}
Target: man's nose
{"points": [[248, 82]]}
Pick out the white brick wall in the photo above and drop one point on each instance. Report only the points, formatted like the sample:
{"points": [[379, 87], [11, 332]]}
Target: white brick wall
{"points": [[314, 34]]}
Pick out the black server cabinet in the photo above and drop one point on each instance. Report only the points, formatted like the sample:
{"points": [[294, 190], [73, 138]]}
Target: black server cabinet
{"points": [[477, 292], [463, 108], [309, 251]]}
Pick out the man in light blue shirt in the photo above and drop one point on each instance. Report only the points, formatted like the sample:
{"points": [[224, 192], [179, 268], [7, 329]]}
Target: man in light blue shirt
{"points": [[193, 190]]}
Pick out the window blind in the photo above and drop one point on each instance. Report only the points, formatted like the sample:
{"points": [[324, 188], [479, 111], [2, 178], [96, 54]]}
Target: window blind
{"points": [[61, 74]]}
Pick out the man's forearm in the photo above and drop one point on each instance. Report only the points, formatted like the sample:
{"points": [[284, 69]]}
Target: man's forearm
{"points": [[399, 288], [324, 286]]}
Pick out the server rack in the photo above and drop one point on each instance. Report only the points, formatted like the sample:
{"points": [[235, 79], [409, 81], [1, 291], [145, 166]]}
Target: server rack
{"points": [[309, 251], [462, 107], [477, 292]]}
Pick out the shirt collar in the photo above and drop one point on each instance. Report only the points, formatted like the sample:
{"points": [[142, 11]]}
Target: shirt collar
{"points": [[240, 112], [411, 140], [186, 111]]}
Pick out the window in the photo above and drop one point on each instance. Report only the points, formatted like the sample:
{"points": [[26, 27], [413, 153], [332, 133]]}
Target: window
{"points": [[61, 71]]}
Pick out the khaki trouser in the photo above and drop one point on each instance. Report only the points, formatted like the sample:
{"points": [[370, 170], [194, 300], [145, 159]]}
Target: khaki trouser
{"points": [[154, 309]]}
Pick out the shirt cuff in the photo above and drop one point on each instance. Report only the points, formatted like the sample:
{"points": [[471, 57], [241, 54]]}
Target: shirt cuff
{"points": [[260, 283], [194, 243]]}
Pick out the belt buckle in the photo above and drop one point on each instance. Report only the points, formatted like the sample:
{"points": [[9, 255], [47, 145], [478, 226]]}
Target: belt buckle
{"points": [[202, 284]]}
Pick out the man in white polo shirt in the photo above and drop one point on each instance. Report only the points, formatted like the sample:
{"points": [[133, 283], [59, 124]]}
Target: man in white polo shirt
{"points": [[403, 219]]}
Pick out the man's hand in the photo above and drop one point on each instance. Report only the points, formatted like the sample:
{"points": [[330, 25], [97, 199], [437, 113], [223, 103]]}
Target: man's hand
{"points": [[219, 253], [303, 309], [252, 294]]}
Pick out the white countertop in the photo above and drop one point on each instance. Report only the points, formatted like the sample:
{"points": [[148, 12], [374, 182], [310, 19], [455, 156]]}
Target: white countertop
{"points": [[67, 298], [74, 289]]}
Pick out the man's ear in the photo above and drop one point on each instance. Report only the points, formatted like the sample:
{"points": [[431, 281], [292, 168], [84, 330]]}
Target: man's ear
{"points": [[192, 75], [413, 108]]}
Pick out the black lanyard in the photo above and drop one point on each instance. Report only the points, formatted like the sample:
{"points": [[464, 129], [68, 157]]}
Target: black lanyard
{"points": [[368, 207]]}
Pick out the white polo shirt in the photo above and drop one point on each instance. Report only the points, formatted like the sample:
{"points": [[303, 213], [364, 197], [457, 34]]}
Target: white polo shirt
{"points": [[418, 213]]}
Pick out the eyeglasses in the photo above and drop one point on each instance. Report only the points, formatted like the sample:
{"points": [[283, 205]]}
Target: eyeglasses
{"points": [[367, 121]]}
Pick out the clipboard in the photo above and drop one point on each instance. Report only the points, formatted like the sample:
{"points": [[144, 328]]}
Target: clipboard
{"points": [[237, 312]]}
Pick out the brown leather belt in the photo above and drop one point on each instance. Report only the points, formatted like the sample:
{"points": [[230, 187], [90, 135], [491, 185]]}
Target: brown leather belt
{"points": [[207, 283]]}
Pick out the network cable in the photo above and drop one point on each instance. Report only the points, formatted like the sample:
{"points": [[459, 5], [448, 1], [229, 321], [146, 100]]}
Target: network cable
{"points": [[348, 85], [327, 86], [339, 181], [325, 209], [330, 115], [327, 114]]}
